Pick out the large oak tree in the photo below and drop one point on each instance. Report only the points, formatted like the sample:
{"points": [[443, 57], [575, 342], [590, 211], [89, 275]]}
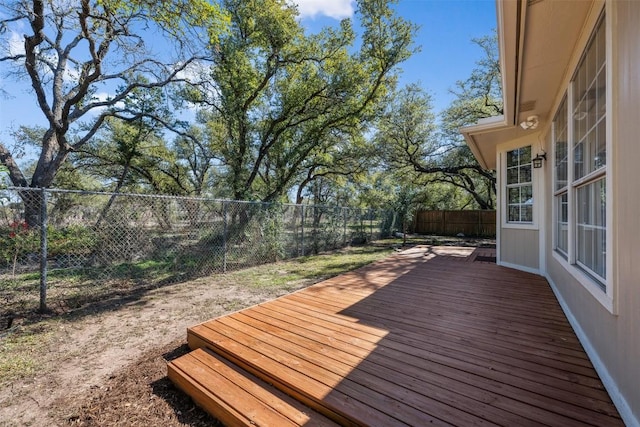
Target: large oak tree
{"points": [[74, 51], [432, 154], [284, 97]]}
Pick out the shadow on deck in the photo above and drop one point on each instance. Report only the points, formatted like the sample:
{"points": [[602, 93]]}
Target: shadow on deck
{"points": [[431, 335]]}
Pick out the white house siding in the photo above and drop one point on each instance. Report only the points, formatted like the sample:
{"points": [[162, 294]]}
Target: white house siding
{"points": [[519, 249]]}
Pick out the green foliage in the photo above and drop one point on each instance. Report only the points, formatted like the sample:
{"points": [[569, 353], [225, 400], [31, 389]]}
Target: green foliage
{"points": [[197, 158], [433, 161], [100, 43], [335, 173], [17, 241], [176, 17], [480, 95], [74, 240], [3, 172], [272, 232], [285, 97], [406, 134], [130, 153]]}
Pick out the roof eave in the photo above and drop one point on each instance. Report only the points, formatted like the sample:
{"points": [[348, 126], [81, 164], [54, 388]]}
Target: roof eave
{"points": [[489, 124], [510, 19]]}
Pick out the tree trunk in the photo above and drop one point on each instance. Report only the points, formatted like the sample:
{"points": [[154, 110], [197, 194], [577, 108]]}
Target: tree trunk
{"points": [[32, 200], [112, 198]]}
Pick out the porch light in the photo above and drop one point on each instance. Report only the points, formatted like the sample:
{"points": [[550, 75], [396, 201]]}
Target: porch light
{"points": [[537, 160], [530, 124]]}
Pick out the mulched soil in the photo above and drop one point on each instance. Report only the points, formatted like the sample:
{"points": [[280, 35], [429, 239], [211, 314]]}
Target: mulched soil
{"points": [[139, 395]]}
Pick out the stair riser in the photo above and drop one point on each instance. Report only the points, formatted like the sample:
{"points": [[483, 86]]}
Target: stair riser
{"points": [[195, 341]]}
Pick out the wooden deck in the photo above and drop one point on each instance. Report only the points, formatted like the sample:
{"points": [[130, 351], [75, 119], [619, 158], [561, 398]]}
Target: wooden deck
{"points": [[432, 335]]}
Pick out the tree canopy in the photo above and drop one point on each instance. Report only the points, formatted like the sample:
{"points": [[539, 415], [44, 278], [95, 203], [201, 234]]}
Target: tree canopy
{"points": [[73, 50], [431, 155], [285, 98], [275, 113]]}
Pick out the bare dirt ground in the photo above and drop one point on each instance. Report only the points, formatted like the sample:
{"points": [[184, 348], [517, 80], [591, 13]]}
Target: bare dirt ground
{"points": [[105, 364], [109, 368]]}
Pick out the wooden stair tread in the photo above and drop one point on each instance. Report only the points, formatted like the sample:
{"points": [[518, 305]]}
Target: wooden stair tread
{"points": [[352, 404], [236, 397]]}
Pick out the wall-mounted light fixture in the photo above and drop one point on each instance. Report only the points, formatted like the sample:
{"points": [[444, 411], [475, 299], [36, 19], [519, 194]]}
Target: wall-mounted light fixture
{"points": [[537, 160], [530, 124]]}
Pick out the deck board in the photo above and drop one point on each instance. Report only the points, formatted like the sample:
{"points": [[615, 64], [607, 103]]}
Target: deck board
{"points": [[427, 336], [240, 399]]}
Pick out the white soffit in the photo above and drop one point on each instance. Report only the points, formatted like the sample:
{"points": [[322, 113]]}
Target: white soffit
{"points": [[537, 40]]}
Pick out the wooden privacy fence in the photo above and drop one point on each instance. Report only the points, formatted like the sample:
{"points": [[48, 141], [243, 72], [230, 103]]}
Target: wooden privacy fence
{"points": [[450, 223]]}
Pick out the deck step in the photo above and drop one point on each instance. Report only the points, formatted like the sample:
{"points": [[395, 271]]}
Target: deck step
{"points": [[286, 373], [236, 397]]}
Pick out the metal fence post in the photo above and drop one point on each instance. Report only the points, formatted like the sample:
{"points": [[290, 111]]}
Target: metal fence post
{"points": [[43, 250], [371, 223], [224, 237], [344, 227], [302, 230]]}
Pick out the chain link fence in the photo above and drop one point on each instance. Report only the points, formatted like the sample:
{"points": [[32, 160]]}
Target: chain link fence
{"points": [[90, 245]]}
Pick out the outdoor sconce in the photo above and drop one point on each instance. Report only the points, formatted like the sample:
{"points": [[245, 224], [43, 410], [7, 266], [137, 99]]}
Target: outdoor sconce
{"points": [[530, 124], [537, 160]]}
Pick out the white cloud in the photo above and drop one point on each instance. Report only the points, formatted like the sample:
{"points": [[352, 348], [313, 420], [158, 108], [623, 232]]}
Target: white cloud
{"points": [[102, 97], [16, 44], [194, 72], [337, 9]]}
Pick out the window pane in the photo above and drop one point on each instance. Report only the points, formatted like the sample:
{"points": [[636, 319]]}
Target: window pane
{"points": [[582, 144], [519, 188], [562, 224], [525, 173], [601, 96], [514, 195], [561, 152], [525, 155], [590, 108], [591, 227], [600, 43], [526, 194], [578, 161], [514, 213], [600, 159], [512, 176]]}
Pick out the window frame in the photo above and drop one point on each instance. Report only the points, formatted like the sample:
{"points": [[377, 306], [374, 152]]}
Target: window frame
{"points": [[560, 191], [504, 193], [520, 185], [601, 288]]}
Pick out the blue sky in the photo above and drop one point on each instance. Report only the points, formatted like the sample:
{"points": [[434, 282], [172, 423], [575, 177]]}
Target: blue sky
{"points": [[447, 52], [447, 28]]}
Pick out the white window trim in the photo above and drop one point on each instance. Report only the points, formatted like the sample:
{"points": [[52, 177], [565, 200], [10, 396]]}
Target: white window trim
{"points": [[608, 297], [554, 181], [502, 186]]}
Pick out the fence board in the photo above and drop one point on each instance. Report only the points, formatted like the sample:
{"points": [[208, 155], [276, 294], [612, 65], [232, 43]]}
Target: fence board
{"points": [[476, 223]]}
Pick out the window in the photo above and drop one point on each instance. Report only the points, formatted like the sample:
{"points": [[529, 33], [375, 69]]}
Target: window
{"points": [[519, 186], [591, 227], [580, 159], [561, 171]]}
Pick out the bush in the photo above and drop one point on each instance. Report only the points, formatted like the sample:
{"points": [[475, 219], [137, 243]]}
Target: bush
{"points": [[17, 242]]}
